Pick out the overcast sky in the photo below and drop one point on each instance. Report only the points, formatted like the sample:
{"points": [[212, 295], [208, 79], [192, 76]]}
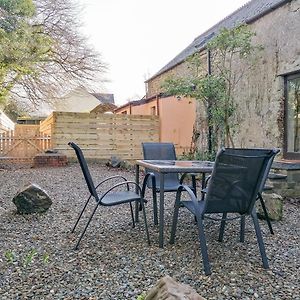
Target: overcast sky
{"points": [[136, 38]]}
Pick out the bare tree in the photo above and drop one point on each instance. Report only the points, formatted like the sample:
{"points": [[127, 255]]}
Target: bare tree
{"points": [[69, 62]]}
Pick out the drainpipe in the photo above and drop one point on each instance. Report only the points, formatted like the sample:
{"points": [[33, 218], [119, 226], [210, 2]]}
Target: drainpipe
{"points": [[158, 112], [210, 129], [130, 112]]}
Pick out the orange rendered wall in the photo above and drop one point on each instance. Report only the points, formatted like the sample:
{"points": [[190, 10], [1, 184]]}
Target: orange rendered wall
{"points": [[144, 109], [177, 118]]}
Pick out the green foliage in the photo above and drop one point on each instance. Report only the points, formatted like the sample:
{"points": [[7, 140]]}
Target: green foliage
{"points": [[141, 297], [22, 46], [29, 257], [46, 258], [231, 41], [14, 13], [199, 155], [10, 256], [26, 259], [216, 90], [24, 8]]}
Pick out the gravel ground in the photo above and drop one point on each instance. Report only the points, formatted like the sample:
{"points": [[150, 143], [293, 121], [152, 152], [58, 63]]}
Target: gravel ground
{"points": [[37, 260]]}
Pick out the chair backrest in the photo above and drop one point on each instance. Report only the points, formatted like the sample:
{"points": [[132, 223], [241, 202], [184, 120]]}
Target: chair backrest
{"points": [[236, 179], [257, 151], [160, 151], [85, 169]]}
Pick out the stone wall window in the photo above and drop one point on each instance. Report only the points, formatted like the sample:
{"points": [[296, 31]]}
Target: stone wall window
{"points": [[292, 116]]}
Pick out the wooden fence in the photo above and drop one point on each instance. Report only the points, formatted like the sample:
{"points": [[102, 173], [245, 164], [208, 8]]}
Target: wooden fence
{"points": [[23, 143], [101, 136]]}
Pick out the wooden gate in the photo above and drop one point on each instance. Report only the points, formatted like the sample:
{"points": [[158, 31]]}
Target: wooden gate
{"points": [[23, 143]]}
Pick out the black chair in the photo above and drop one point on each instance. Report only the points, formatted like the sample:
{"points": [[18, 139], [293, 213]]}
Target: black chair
{"points": [[233, 188], [263, 186], [161, 151], [110, 197]]}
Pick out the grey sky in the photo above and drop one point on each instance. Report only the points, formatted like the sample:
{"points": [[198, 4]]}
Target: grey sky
{"points": [[137, 37]]}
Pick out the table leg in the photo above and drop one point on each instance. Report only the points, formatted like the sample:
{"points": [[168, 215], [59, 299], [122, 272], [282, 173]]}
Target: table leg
{"points": [[161, 209], [202, 185], [137, 180]]}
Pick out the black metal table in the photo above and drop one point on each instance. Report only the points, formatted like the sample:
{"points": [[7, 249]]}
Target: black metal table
{"points": [[171, 166]]}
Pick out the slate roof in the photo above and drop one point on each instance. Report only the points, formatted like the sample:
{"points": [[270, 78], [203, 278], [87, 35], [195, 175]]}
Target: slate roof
{"points": [[248, 13], [104, 98]]}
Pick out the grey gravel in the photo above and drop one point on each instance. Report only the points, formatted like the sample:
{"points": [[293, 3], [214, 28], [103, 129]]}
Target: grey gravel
{"points": [[37, 260]]}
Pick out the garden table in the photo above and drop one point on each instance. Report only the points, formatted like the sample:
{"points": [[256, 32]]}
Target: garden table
{"points": [[171, 166]]}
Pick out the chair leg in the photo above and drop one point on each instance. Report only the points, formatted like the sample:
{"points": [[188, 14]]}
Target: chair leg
{"points": [[222, 227], [203, 246], [145, 221], [86, 226], [175, 217], [260, 239], [194, 185], [262, 202], [80, 215], [132, 216], [137, 208], [242, 229]]}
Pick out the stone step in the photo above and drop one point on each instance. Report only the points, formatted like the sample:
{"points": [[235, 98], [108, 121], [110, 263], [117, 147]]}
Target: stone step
{"points": [[276, 176]]}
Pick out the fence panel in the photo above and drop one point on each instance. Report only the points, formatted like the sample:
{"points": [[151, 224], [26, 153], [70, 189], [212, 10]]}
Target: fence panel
{"points": [[102, 135]]}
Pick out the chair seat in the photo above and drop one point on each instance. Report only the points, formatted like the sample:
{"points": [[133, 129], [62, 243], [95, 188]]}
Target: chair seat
{"points": [[119, 197]]}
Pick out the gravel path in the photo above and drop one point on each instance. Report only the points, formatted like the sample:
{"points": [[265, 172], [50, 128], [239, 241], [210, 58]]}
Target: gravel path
{"points": [[114, 261]]}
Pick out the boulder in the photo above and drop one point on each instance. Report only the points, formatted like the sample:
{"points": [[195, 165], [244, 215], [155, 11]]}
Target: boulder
{"points": [[273, 204], [116, 162], [32, 199], [168, 289]]}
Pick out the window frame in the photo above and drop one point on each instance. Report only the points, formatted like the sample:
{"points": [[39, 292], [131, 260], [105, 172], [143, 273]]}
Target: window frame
{"points": [[286, 154]]}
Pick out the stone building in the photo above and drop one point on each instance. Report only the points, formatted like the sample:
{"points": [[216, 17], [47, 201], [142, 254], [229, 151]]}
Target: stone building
{"points": [[268, 96]]}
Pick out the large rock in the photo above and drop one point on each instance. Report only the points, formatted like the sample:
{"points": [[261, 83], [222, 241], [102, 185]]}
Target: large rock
{"points": [[32, 199], [273, 204], [168, 289]]}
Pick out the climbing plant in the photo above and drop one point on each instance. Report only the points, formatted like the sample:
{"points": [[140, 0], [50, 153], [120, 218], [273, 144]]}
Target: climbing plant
{"points": [[215, 85]]}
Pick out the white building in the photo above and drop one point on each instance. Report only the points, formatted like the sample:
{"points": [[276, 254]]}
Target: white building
{"points": [[5, 122]]}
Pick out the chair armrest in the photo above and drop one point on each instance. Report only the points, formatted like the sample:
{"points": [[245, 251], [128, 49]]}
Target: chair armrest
{"points": [[144, 184], [127, 183], [206, 181], [188, 190], [193, 198], [110, 178], [193, 180], [184, 175]]}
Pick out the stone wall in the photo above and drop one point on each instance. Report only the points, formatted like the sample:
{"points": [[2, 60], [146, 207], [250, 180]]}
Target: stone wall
{"points": [[260, 94]]}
